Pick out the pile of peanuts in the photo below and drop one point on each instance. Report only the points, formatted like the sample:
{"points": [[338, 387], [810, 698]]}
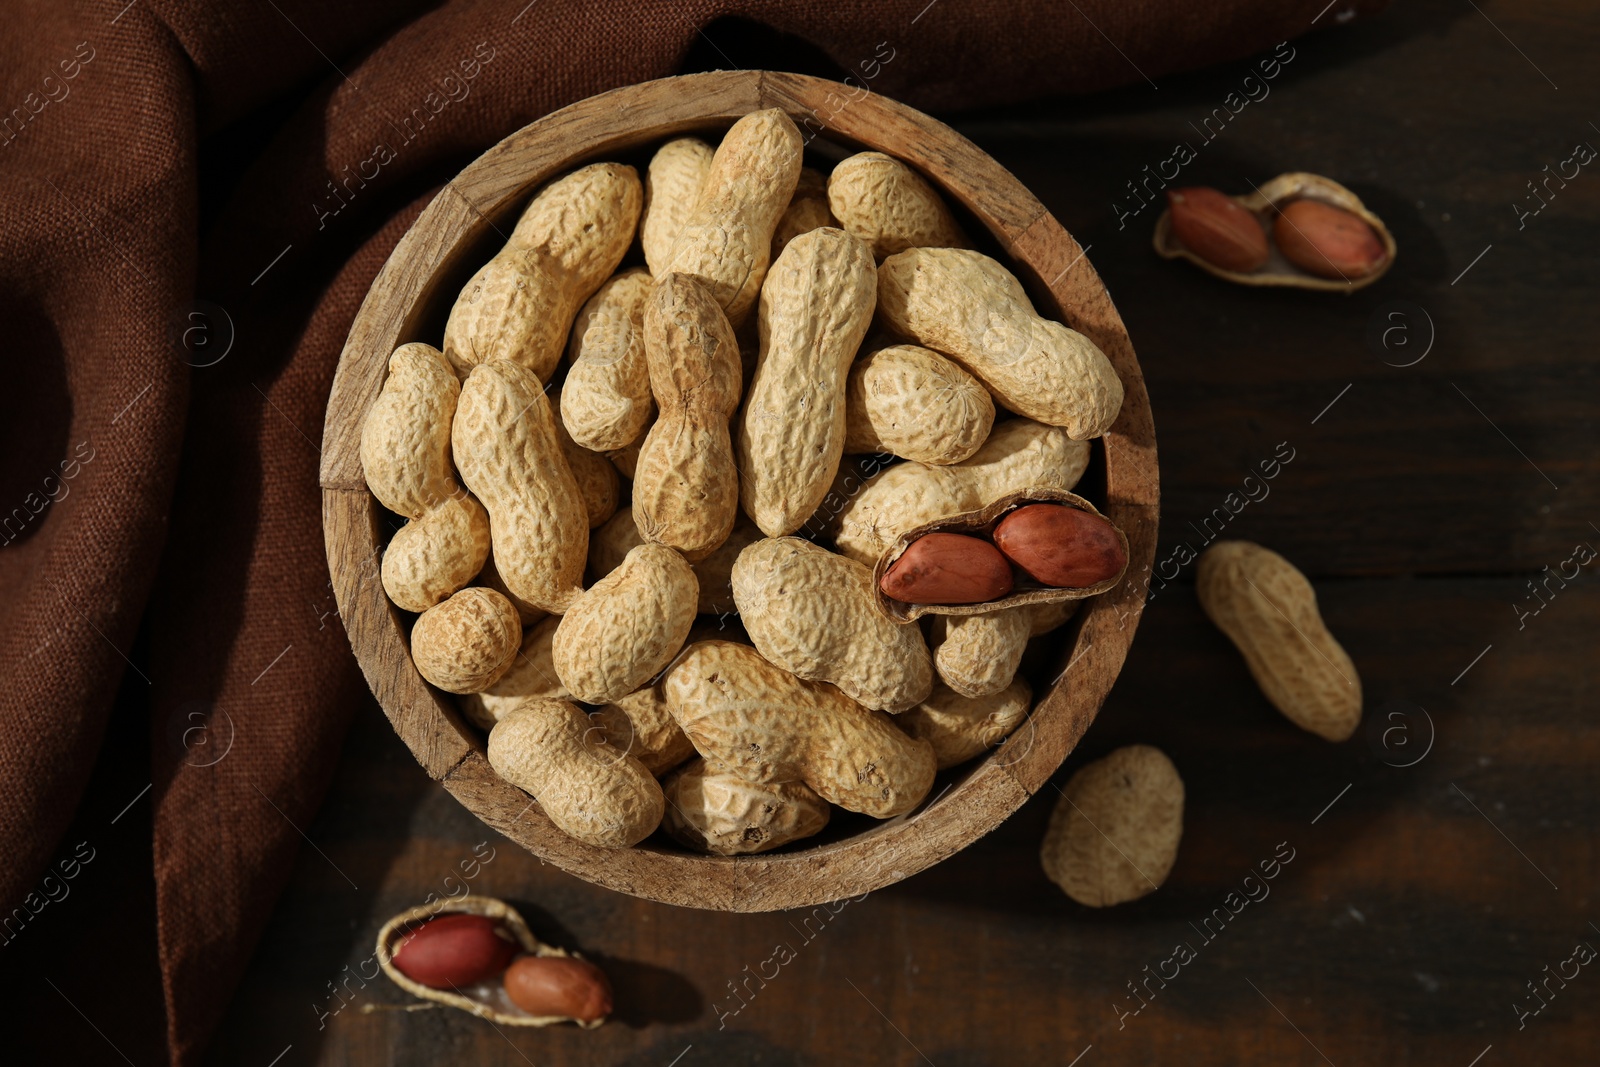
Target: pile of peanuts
{"points": [[600, 456]]}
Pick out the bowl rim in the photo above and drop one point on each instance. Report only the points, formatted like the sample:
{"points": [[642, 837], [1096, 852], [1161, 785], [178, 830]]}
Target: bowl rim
{"points": [[1043, 255]]}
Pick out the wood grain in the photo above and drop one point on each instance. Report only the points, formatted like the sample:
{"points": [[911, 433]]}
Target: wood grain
{"points": [[460, 229]]}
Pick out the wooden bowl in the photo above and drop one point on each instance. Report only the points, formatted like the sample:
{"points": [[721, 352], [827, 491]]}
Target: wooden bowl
{"points": [[464, 226]]}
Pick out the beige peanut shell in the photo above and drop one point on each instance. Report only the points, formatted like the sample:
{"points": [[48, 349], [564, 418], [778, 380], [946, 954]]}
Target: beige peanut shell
{"points": [[627, 626], [433, 556], [606, 402], [1019, 454], [914, 403], [520, 305], [726, 241], [686, 484], [807, 210], [532, 673], [978, 655], [591, 790], [509, 452], [641, 725], [465, 644], [810, 611], [972, 309], [890, 206], [598, 482], [714, 574], [1113, 836], [711, 809], [1269, 611], [815, 309], [672, 185], [743, 712], [960, 727]]}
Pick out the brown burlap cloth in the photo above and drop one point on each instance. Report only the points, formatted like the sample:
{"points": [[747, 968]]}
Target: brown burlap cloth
{"points": [[147, 481]]}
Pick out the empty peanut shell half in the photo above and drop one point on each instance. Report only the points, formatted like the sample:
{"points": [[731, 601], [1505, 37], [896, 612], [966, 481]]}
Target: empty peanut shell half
{"points": [[1313, 234]]}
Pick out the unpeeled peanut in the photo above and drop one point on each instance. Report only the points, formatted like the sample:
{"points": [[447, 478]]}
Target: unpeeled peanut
{"points": [[726, 240], [1019, 454], [807, 210], [641, 725], [890, 206], [520, 305], [672, 185], [972, 309], [465, 644], [612, 541], [626, 627], [741, 711], [812, 613], [1269, 611], [405, 454], [916, 404], [589, 789], [711, 809], [606, 402], [960, 727], [509, 453], [1113, 835], [947, 568], [1062, 546], [686, 485], [815, 309]]}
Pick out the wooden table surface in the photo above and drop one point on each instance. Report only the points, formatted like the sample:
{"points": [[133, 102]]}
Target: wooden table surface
{"points": [[1429, 868]]}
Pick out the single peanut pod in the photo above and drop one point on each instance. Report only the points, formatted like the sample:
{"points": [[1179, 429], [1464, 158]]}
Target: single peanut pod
{"points": [[1020, 454], [489, 578], [672, 185], [606, 402], [972, 309], [590, 790], [1062, 546], [686, 485], [405, 454], [432, 557], [916, 404], [611, 542], [598, 482], [945, 568], [815, 309], [741, 711], [1113, 836], [1218, 229], [520, 305], [811, 612], [627, 626], [1327, 241], [405, 438], [978, 655], [641, 725], [726, 241], [1268, 610], [890, 206], [960, 727], [509, 453], [532, 673], [466, 643], [711, 809], [807, 210]]}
